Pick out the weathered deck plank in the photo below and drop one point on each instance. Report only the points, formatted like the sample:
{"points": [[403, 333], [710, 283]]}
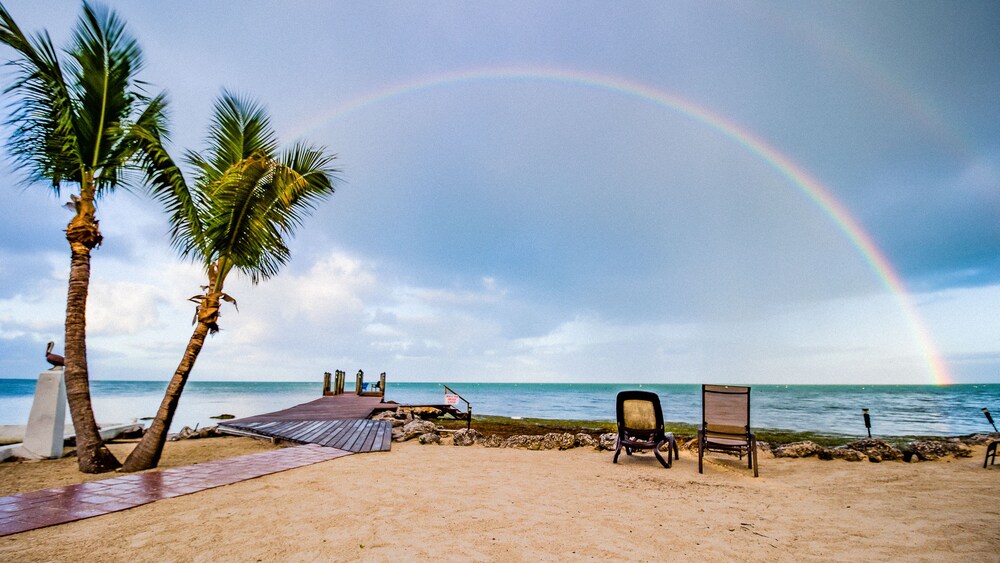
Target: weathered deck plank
{"points": [[339, 421]]}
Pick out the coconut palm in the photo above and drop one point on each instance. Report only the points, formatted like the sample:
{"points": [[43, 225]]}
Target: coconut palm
{"points": [[247, 199], [82, 120]]}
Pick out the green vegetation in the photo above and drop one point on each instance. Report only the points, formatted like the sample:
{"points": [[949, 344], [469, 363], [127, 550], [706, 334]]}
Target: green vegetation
{"points": [[505, 427]]}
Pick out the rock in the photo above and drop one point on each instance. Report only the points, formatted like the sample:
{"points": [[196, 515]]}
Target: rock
{"points": [[582, 440], [413, 429], [607, 441], [385, 415], [426, 413], [521, 441], [798, 449], [466, 437], [492, 441], [981, 439], [930, 450], [207, 432], [877, 450], [558, 441], [846, 454], [184, 433], [397, 434], [429, 438], [188, 433]]}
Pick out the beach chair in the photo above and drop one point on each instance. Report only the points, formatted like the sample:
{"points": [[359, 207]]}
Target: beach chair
{"points": [[991, 453], [640, 426], [725, 424]]}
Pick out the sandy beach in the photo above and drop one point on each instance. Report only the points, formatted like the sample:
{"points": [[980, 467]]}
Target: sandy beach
{"points": [[489, 504]]}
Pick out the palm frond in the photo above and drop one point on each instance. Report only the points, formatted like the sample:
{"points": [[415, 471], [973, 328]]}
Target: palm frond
{"points": [[106, 60], [163, 178], [240, 128], [251, 197], [43, 139]]}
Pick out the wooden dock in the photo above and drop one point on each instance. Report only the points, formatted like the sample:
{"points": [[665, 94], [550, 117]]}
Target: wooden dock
{"points": [[338, 421]]}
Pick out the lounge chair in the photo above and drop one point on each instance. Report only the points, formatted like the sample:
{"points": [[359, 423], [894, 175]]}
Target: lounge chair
{"points": [[640, 426], [991, 453], [725, 424]]}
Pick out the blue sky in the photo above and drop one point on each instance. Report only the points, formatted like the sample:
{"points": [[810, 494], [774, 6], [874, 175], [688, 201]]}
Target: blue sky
{"points": [[519, 226]]}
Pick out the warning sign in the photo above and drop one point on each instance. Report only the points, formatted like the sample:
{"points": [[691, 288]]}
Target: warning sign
{"points": [[450, 399]]}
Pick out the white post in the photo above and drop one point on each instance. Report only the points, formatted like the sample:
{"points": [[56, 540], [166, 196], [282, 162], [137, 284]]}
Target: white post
{"points": [[43, 438]]}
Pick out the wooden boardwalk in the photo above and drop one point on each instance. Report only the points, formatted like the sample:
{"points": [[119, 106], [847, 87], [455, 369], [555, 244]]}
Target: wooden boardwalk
{"points": [[339, 421]]}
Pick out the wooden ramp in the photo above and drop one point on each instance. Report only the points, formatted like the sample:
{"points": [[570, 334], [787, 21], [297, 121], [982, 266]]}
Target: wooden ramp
{"points": [[339, 421]]}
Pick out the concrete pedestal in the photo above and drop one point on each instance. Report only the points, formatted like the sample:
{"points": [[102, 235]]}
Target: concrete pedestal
{"points": [[43, 437]]}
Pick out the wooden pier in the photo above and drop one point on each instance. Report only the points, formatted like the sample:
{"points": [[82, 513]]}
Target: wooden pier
{"points": [[336, 421]]}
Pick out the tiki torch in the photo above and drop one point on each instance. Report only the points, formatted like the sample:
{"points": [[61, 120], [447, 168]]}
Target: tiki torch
{"points": [[986, 411], [868, 421]]}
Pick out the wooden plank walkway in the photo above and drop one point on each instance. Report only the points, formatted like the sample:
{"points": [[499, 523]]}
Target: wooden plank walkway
{"points": [[334, 407], [339, 421], [357, 435], [48, 507]]}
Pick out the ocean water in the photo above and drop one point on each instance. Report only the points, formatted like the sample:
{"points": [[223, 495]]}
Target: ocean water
{"points": [[896, 410]]}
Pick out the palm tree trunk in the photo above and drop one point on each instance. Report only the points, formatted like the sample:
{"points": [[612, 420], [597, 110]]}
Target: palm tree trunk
{"points": [[82, 233], [147, 454]]}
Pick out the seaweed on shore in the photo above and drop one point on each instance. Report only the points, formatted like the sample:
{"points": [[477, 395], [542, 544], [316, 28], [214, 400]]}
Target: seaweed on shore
{"points": [[505, 427]]}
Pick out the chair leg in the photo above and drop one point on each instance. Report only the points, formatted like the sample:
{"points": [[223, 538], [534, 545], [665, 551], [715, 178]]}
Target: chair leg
{"points": [[672, 447], [753, 455], [656, 452], [618, 451], [701, 452]]}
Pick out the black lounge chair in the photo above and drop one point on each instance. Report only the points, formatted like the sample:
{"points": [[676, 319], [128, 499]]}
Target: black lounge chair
{"points": [[725, 424], [640, 426]]}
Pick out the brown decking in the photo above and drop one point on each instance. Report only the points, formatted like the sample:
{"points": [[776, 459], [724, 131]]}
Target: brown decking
{"points": [[334, 407], [338, 421], [37, 509]]}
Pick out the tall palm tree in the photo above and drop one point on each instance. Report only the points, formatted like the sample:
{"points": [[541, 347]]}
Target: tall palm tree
{"points": [[246, 200], [85, 121]]}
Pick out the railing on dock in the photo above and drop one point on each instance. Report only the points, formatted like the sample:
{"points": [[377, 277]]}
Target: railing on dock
{"points": [[360, 387], [448, 394]]}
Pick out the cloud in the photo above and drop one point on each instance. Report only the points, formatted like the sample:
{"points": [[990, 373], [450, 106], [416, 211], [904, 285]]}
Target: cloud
{"points": [[941, 230]]}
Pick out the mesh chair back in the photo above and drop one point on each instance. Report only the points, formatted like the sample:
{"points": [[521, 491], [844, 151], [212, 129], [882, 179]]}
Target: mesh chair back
{"points": [[639, 414], [726, 409]]}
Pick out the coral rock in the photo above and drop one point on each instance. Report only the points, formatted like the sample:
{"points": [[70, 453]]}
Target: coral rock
{"points": [[877, 450], [466, 437]]}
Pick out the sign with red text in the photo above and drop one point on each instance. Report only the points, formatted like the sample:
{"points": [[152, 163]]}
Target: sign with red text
{"points": [[450, 399]]}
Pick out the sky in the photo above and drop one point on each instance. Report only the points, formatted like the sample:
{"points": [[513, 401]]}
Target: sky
{"points": [[671, 192]]}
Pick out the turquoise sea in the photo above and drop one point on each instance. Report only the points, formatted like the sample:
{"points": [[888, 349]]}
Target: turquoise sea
{"points": [[896, 410]]}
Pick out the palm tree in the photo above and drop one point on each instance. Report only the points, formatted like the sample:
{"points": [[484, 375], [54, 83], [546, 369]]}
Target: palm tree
{"points": [[246, 200], [83, 121]]}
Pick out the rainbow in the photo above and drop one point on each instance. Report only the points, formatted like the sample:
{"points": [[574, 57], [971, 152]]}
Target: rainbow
{"points": [[796, 175]]}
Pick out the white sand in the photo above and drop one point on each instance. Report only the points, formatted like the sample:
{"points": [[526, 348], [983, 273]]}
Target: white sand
{"points": [[443, 502]]}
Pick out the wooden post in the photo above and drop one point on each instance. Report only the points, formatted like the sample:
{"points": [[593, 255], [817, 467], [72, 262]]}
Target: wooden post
{"points": [[326, 383], [338, 385], [381, 384], [359, 381]]}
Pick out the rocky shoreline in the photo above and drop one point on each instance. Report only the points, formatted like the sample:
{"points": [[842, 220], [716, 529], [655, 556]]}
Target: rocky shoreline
{"points": [[410, 424]]}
